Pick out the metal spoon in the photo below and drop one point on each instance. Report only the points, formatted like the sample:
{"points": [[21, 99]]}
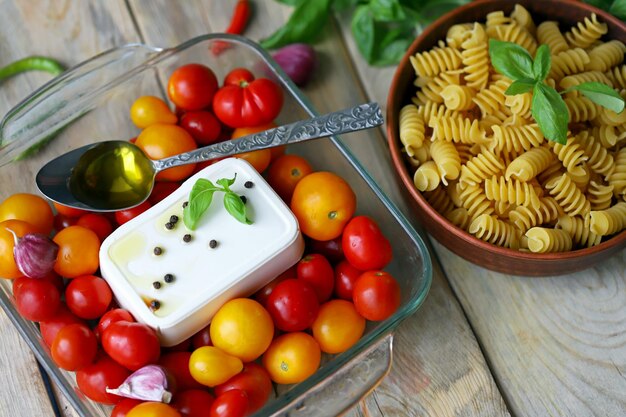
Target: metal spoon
{"points": [[115, 175]]}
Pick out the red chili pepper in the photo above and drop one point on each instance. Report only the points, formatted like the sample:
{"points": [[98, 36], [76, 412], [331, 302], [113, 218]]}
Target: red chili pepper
{"points": [[238, 23]]}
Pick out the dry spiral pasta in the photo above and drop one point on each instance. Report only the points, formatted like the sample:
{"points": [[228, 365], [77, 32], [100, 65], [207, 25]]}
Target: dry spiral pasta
{"points": [[484, 163]]}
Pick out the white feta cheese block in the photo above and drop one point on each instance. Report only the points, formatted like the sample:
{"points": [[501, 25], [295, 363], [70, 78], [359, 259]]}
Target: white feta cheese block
{"points": [[245, 258]]}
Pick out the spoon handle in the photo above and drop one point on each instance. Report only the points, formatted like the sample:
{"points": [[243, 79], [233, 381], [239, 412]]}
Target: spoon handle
{"points": [[360, 117]]}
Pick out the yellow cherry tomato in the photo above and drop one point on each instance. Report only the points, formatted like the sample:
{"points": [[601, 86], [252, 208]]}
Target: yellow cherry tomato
{"points": [[78, 252], [292, 358], [243, 328], [323, 203], [29, 208], [153, 409], [338, 326], [212, 366], [150, 110], [162, 140], [8, 268]]}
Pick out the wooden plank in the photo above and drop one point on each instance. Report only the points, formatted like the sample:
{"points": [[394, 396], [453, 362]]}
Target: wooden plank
{"points": [[70, 31], [438, 367], [557, 346]]}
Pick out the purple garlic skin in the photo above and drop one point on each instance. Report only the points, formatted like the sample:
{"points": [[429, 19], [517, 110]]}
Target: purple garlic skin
{"points": [[34, 254], [148, 383], [298, 60]]}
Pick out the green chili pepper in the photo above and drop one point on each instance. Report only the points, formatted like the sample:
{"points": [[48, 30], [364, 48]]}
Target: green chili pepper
{"points": [[33, 63]]}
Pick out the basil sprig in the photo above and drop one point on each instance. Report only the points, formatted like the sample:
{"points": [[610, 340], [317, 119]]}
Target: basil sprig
{"points": [[547, 106], [201, 196]]}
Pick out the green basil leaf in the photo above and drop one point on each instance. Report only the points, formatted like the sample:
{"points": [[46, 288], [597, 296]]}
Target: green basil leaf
{"points": [[363, 31], [520, 87], [304, 25], [236, 207], [341, 5], [226, 183], [618, 9], [200, 199], [510, 59], [387, 10], [291, 2], [433, 9], [550, 112], [542, 63], [601, 94]]}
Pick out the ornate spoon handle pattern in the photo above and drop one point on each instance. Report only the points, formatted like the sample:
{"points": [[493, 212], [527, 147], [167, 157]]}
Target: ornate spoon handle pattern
{"points": [[360, 117]]}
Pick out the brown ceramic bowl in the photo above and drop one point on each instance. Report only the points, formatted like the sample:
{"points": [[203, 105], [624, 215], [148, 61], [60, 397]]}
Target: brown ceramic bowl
{"points": [[457, 240]]}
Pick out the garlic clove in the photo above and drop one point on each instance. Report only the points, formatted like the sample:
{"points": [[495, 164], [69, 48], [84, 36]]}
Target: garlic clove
{"points": [[34, 254], [298, 61], [148, 383]]}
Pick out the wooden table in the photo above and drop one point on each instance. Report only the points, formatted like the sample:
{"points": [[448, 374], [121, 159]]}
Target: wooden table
{"points": [[482, 344]]}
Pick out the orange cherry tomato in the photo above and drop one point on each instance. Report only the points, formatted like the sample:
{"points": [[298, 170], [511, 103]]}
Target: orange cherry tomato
{"points": [[29, 208], [285, 172], [292, 358], [212, 366], [245, 131], [78, 252], [243, 328], [150, 110], [260, 160], [153, 409], [323, 203], [67, 211], [338, 326], [8, 268], [162, 140], [277, 152]]}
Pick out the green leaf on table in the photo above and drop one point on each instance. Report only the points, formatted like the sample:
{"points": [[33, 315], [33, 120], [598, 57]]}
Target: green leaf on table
{"points": [[542, 63], [600, 94], [433, 9], [520, 87], [200, 199], [304, 25], [363, 29], [387, 10], [510, 59], [550, 112], [236, 207], [341, 5], [291, 2], [618, 9]]}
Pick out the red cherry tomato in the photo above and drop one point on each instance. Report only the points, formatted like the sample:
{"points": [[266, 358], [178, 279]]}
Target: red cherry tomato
{"points": [[177, 364], [238, 76], [317, 271], [233, 403], [193, 403], [345, 277], [263, 294], [192, 87], [123, 407], [183, 346], [36, 299], [202, 338], [364, 245], [61, 221], [110, 317], [161, 190], [132, 345], [88, 296], [93, 379], [74, 347], [56, 280], [255, 381], [293, 305], [122, 216], [203, 127], [331, 249], [248, 103], [376, 295], [51, 327], [98, 223]]}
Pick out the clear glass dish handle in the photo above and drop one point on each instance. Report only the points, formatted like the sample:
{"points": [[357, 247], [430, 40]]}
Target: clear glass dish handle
{"points": [[349, 384], [67, 97]]}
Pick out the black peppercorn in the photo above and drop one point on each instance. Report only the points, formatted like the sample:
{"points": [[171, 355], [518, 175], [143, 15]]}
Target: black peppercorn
{"points": [[243, 199], [248, 184], [173, 218], [156, 285], [155, 304], [158, 250], [187, 238], [169, 278], [213, 243], [169, 225], [185, 204]]}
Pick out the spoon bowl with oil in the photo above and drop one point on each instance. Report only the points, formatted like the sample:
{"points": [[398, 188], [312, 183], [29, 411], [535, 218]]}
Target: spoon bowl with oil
{"points": [[115, 175]]}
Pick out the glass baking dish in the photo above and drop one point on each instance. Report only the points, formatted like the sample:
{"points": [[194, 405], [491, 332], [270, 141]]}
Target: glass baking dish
{"points": [[95, 97]]}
